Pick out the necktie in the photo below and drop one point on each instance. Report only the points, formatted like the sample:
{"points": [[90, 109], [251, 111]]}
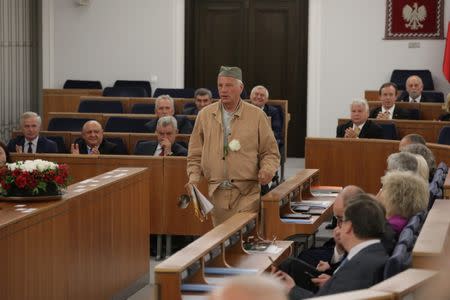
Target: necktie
{"points": [[30, 149], [162, 151], [357, 130], [388, 114]]}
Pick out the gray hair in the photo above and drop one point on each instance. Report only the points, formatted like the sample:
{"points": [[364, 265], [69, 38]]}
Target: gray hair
{"points": [[402, 161], [202, 92], [166, 121], [404, 193], [414, 138], [426, 153], [164, 97], [266, 91], [28, 115], [360, 102]]}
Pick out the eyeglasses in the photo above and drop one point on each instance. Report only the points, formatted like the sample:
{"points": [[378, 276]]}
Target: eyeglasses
{"points": [[340, 221]]}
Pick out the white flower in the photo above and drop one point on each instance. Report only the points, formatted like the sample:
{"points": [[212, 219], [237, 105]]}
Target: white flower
{"points": [[32, 165], [234, 145]]}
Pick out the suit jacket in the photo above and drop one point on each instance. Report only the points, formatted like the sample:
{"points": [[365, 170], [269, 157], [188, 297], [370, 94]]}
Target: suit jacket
{"points": [[277, 122], [399, 113], [362, 271], [149, 148], [44, 145], [445, 117], [183, 124], [192, 110], [104, 148], [404, 97], [370, 130]]}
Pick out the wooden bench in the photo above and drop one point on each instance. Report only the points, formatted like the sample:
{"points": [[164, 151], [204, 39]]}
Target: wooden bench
{"points": [[432, 247], [361, 162], [428, 111], [428, 129], [166, 183], [278, 202], [91, 244], [219, 248]]}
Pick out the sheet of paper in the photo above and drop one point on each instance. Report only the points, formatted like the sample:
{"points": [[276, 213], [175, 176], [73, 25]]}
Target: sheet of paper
{"points": [[205, 205]]}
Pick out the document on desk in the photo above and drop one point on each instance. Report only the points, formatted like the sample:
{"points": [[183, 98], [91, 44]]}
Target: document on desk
{"points": [[201, 204]]}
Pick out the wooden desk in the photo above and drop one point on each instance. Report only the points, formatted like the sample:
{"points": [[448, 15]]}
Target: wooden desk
{"points": [[366, 294], [166, 183], [278, 202], [92, 244], [431, 250], [361, 162], [220, 247], [428, 111], [428, 129]]}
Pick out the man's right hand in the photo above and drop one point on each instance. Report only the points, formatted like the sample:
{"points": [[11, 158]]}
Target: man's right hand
{"points": [[321, 280], [322, 266]]}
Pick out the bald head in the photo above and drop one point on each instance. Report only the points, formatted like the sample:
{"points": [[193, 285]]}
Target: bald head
{"points": [[248, 287], [92, 133], [414, 86], [347, 193]]}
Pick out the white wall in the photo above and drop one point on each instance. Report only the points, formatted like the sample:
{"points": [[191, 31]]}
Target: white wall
{"points": [[115, 39], [347, 55], [135, 39]]}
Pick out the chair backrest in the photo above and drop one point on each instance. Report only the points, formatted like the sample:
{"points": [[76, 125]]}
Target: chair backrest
{"points": [[399, 261], [82, 84], [399, 77], [135, 83], [435, 96], [143, 108], [124, 124], [389, 131], [407, 238], [444, 136], [415, 222], [125, 92], [59, 140], [175, 93], [436, 185], [66, 124], [99, 106], [122, 148], [414, 114]]}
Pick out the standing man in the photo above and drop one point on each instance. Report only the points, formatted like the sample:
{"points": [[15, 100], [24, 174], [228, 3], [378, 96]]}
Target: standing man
{"points": [[234, 148], [388, 110], [30, 141], [202, 97]]}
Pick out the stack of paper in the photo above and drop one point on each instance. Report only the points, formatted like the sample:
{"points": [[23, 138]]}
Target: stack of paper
{"points": [[201, 204]]}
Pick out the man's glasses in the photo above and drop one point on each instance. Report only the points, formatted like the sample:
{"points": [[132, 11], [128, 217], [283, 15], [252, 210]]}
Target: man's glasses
{"points": [[339, 220]]}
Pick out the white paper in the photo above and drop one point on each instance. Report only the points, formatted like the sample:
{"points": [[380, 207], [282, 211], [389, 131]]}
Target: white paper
{"points": [[205, 205]]}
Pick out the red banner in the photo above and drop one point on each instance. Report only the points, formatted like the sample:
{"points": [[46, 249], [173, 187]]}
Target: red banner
{"points": [[446, 65], [414, 19]]}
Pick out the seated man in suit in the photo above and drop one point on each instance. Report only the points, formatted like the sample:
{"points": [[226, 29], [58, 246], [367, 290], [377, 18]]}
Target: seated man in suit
{"points": [[259, 97], [359, 126], [359, 232], [164, 106], [166, 130], [203, 97], [413, 93], [30, 141], [92, 141], [388, 110]]}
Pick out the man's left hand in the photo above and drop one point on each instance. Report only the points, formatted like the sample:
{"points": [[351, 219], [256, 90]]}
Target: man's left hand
{"points": [[264, 177]]}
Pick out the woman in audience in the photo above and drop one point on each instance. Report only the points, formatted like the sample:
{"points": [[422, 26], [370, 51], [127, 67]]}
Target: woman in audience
{"points": [[4, 155], [446, 107], [404, 194]]}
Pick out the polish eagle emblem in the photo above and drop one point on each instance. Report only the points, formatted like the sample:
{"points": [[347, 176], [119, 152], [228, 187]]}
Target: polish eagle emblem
{"points": [[414, 15]]}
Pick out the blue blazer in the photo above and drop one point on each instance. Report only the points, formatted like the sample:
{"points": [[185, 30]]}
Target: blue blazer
{"points": [[44, 145]]}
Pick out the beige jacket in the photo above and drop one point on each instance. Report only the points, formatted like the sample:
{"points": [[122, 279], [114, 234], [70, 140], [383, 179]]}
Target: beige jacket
{"points": [[259, 149]]}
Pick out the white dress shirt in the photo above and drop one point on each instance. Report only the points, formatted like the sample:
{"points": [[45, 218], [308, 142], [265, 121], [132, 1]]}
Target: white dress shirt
{"points": [[415, 100], [158, 150], [33, 145], [390, 110], [356, 249]]}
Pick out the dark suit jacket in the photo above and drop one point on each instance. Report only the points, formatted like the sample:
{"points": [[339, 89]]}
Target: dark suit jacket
{"points": [[362, 271], [192, 110], [370, 130], [404, 97], [399, 113], [44, 145], [104, 148], [445, 117], [277, 122], [149, 148], [183, 124]]}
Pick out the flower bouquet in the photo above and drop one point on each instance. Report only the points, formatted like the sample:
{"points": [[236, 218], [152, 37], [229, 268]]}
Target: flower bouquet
{"points": [[33, 178]]}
